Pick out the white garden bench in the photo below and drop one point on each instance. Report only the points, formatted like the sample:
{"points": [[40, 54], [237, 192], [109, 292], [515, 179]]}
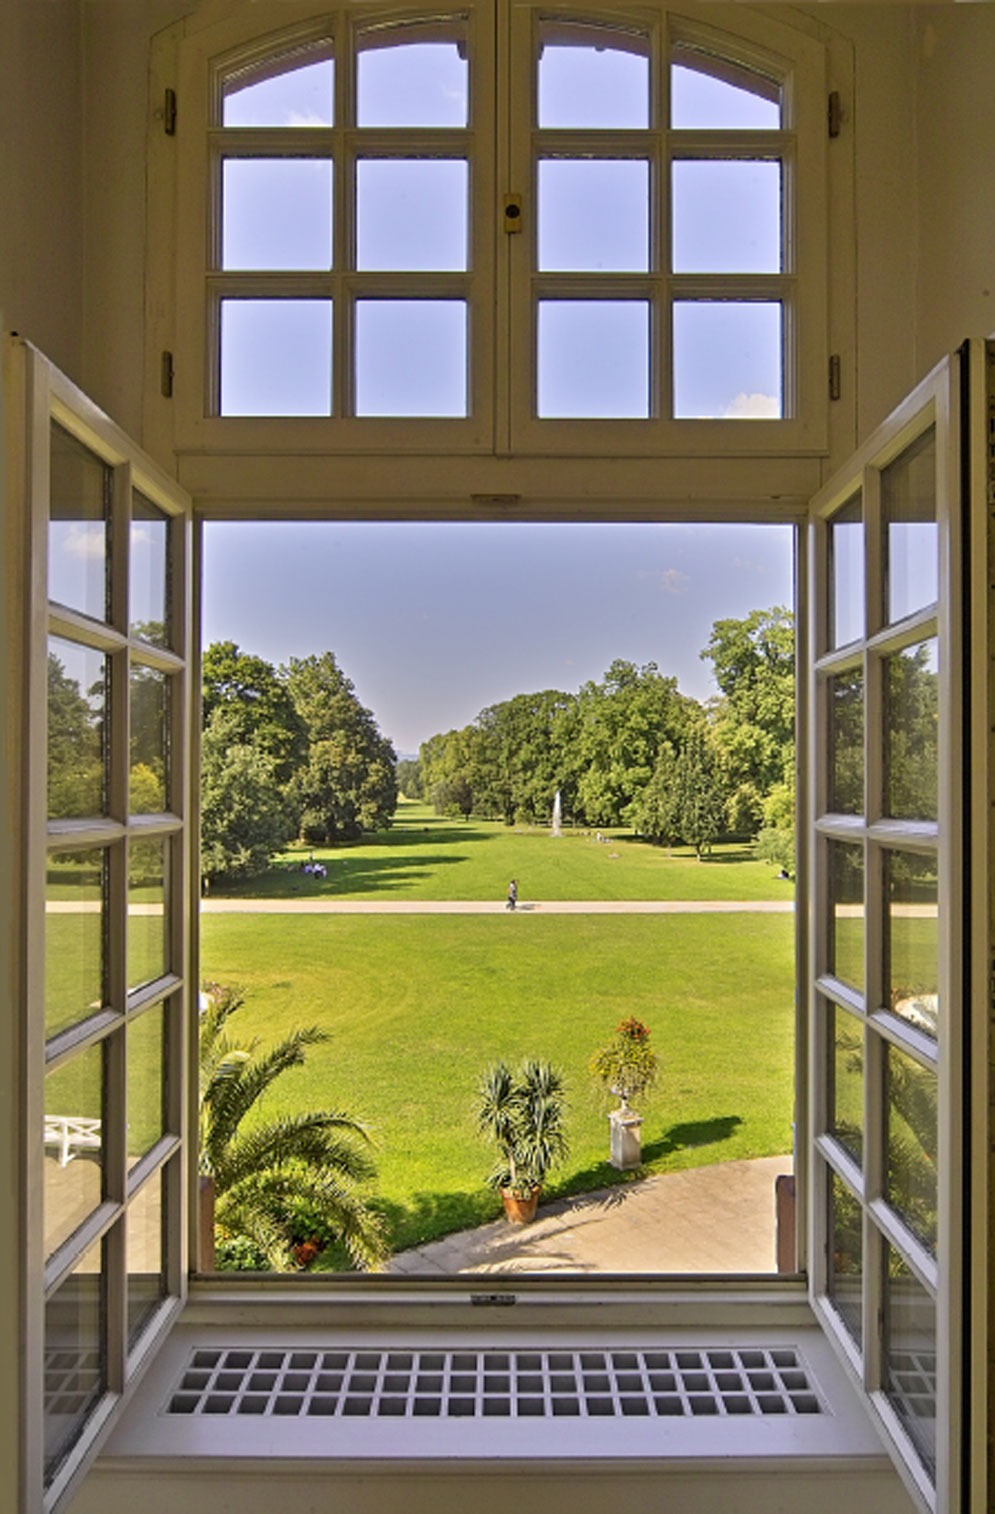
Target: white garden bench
{"points": [[72, 1134]]}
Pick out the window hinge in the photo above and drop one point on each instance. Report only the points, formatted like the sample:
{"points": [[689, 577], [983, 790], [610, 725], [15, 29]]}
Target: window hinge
{"points": [[512, 213], [835, 113], [834, 376], [166, 375], [169, 113]]}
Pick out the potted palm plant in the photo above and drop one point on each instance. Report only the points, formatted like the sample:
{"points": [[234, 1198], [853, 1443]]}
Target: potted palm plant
{"points": [[626, 1067], [521, 1113]]}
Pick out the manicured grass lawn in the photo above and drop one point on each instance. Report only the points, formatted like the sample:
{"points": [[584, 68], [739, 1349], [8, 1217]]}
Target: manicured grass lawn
{"points": [[418, 1006], [425, 857]]}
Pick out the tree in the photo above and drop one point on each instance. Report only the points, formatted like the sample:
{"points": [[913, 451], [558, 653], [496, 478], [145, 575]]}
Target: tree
{"points": [[699, 792], [244, 817], [754, 721], [266, 1174], [656, 811], [409, 782], [259, 705], [75, 747], [623, 722], [347, 784]]}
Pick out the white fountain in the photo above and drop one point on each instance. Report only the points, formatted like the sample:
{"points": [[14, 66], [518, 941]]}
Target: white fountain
{"points": [[557, 815]]}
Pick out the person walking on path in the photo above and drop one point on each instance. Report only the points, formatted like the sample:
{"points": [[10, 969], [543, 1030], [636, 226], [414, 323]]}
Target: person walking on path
{"points": [[512, 894]]}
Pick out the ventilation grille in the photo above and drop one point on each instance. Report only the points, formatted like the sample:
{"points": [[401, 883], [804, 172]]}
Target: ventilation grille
{"points": [[495, 1384]]}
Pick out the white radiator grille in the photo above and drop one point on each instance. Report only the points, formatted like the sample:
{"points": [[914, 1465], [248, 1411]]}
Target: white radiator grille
{"points": [[495, 1384]]}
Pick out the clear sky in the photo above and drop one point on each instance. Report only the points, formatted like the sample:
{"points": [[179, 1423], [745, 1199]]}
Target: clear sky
{"points": [[434, 622]]}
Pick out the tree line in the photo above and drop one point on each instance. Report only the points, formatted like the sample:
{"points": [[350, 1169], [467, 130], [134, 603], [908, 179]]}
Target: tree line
{"points": [[632, 750]]}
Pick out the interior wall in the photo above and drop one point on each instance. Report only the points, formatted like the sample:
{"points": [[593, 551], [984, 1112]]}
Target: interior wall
{"points": [[41, 190]]}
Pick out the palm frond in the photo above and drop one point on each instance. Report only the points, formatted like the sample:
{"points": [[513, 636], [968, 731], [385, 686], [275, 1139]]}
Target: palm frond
{"points": [[318, 1140]]}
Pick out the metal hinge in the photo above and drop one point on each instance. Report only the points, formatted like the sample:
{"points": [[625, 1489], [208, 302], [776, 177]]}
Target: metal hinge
{"points": [[834, 114], [834, 376], [166, 375], [169, 113]]}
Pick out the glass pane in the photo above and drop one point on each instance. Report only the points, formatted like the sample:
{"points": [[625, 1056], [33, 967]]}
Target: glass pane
{"points": [[845, 693], [148, 779], [846, 1106], [707, 92], [594, 214], [276, 213], [846, 900], [74, 1098], [846, 570], [147, 1062], [75, 1355], [412, 213], [910, 1355], [594, 358], [846, 1256], [727, 360], [293, 95], [908, 503], [145, 1241], [148, 923], [910, 1143], [726, 216], [411, 357], [78, 698], [413, 83], [79, 527], [75, 925], [912, 698], [276, 357], [592, 76], [913, 939], [151, 572]]}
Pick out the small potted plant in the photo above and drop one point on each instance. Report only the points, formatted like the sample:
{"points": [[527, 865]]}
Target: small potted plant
{"points": [[521, 1113], [626, 1067]]}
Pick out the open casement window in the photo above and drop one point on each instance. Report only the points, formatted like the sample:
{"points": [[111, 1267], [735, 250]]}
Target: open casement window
{"points": [[500, 229], [107, 904], [898, 886]]}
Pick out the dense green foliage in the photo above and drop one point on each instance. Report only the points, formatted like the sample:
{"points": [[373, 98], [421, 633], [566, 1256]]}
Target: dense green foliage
{"points": [[521, 1113], [627, 1066]]}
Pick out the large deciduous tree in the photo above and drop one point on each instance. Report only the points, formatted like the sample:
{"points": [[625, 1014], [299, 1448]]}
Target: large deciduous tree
{"points": [[258, 702], [699, 792], [244, 815]]}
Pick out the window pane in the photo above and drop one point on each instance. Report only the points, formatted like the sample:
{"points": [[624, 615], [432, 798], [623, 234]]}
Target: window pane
{"points": [[910, 1143], [846, 569], [845, 693], [75, 926], [594, 215], [846, 1113], [295, 96], [148, 922], [78, 689], [411, 213], [411, 357], [913, 939], [74, 1097], [727, 360], [151, 572], [593, 358], [276, 357], [846, 1256], [420, 83], [148, 779], [911, 687], [910, 1354], [146, 1081], [75, 1355], [726, 216], [707, 92], [145, 1240], [908, 502], [79, 527], [846, 896], [276, 213], [592, 76]]}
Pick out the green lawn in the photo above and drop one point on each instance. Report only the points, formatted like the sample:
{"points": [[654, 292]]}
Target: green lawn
{"points": [[425, 857], [417, 1006]]}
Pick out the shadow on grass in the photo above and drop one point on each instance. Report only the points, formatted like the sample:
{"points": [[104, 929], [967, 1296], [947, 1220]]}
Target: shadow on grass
{"points": [[346, 875], [430, 1216], [692, 1133]]}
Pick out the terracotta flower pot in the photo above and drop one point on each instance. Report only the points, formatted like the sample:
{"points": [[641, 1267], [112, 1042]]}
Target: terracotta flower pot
{"points": [[519, 1208]]}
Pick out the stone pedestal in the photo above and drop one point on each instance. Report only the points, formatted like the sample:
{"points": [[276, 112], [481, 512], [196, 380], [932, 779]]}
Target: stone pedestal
{"points": [[626, 1139]]}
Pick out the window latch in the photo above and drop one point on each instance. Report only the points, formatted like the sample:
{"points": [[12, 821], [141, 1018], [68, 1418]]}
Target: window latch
{"points": [[512, 214]]}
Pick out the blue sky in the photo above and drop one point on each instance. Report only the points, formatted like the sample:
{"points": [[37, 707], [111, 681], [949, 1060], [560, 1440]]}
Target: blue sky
{"points": [[433, 622]]}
